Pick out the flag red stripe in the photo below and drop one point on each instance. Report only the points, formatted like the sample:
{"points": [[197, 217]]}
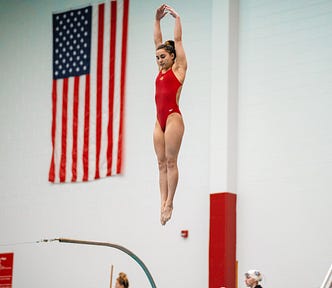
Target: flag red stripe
{"points": [[51, 176], [111, 86], [123, 82], [64, 131], [75, 127], [86, 129], [99, 90]]}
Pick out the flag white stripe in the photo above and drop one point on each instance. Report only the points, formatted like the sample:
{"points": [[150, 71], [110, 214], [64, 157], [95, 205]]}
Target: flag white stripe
{"points": [[93, 89], [118, 51], [69, 128], [105, 91], [80, 132], [58, 129]]}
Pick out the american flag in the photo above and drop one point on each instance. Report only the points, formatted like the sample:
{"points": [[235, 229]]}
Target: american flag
{"points": [[88, 91]]}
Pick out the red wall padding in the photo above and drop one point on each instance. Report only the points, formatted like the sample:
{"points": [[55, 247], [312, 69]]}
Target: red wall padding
{"points": [[222, 250]]}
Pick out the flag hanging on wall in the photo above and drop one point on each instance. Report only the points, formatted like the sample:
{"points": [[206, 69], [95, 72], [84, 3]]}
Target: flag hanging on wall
{"points": [[88, 91]]}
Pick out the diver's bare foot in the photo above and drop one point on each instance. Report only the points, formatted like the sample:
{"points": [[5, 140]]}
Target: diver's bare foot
{"points": [[166, 214], [162, 221]]}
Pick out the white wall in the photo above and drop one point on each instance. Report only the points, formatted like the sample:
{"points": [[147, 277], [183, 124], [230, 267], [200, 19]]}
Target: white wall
{"points": [[283, 160], [285, 155]]}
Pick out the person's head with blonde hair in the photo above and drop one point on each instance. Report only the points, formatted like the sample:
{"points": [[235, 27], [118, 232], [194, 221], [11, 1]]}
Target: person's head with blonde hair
{"points": [[122, 281]]}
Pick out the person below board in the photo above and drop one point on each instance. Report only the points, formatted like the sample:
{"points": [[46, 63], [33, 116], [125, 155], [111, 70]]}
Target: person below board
{"points": [[253, 277]]}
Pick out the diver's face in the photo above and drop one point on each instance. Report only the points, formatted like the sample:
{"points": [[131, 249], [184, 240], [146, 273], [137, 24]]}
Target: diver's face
{"points": [[164, 59]]}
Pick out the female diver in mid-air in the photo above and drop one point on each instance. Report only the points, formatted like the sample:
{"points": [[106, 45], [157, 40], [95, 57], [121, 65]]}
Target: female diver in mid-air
{"points": [[169, 127]]}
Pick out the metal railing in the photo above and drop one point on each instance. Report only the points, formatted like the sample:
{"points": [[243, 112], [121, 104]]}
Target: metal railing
{"points": [[327, 283]]}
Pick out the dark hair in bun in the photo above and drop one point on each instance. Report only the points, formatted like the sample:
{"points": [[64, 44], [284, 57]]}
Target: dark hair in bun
{"points": [[169, 47]]}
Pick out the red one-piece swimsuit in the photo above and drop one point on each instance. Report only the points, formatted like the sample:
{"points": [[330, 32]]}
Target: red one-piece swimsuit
{"points": [[167, 86]]}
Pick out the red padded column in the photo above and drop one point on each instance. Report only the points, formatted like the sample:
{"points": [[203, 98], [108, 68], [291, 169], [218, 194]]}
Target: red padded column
{"points": [[222, 250]]}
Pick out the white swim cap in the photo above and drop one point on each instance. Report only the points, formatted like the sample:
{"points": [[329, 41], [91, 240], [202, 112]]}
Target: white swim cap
{"points": [[255, 274]]}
